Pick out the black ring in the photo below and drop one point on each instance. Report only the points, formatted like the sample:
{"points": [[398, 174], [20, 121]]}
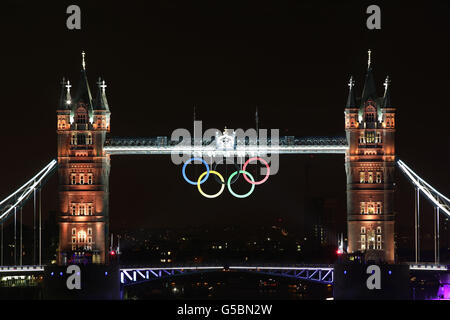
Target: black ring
{"points": [[231, 182]]}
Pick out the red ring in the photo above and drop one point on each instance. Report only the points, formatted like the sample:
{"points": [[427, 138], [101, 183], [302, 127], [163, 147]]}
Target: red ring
{"points": [[262, 161]]}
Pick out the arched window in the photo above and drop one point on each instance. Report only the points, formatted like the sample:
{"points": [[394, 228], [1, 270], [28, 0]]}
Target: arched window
{"points": [[81, 116], [370, 114]]}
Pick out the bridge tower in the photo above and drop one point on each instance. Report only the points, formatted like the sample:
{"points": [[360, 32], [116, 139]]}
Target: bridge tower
{"points": [[83, 173], [370, 166]]}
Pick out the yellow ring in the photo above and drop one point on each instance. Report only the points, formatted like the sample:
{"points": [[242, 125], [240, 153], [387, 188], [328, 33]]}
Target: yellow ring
{"points": [[209, 195]]}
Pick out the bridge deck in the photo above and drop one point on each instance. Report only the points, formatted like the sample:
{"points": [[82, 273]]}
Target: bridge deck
{"points": [[285, 145]]}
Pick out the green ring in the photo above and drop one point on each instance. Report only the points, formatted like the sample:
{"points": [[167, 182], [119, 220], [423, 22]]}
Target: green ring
{"points": [[238, 195]]}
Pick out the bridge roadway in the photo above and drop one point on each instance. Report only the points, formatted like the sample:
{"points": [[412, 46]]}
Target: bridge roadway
{"points": [[133, 275], [284, 145]]}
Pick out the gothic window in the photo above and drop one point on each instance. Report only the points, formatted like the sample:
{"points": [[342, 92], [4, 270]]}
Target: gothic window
{"points": [[82, 209], [370, 208], [90, 178], [74, 239], [362, 177], [379, 242], [363, 207], [361, 138], [74, 209], [81, 139], [73, 140], [370, 180], [81, 116], [370, 114], [89, 138], [363, 242], [378, 207], [73, 178], [81, 236], [363, 230], [81, 178], [90, 231], [74, 231], [89, 210], [370, 137], [89, 240], [378, 180], [378, 140], [378, 229]]}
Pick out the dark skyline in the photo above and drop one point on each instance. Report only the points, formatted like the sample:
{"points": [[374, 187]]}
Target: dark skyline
{"points": [[159, 59]]}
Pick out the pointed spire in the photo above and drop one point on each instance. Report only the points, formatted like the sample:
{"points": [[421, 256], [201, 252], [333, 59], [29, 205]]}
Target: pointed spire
{"points": [[387, 93], [351, 101], [83, 91], [369, 91], [101, 103]]}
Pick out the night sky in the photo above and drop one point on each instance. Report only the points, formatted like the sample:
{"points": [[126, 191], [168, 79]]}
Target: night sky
{"points": [[291, 59]]}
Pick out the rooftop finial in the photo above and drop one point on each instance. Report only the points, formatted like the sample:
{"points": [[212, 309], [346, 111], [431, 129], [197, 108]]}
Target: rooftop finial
{"points": [[368, 61], [83, 62], [68, 85], [351, 83], [386, 83]]}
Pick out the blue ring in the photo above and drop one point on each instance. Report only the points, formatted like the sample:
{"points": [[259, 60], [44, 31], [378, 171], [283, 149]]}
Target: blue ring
{"points": [[184, 171]]}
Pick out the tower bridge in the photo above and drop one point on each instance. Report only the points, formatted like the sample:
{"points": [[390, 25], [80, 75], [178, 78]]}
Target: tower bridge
{"points": [[83, 166]]}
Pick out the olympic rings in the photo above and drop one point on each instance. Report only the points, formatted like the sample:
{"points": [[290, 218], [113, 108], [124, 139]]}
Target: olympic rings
{"points": [[264, 162], [205, 175], [213, 195], [241, 195], [184, 170]]}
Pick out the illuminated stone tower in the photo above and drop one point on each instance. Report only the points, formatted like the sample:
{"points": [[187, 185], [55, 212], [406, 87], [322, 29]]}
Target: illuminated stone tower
{"points": [[370, 166], [83, 173]]}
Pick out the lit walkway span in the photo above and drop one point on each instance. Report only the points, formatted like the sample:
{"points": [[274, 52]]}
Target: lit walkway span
{"points": [[320, 273], [285, 145]]}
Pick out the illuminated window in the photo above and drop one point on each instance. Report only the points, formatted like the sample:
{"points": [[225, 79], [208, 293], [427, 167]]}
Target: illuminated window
{"points": [[81, 236], [74, 231], [73, 178], [363, 242], [82, 209], [363, 230], [363, 207], [378, 140], [90, 231], [370, 137], [73, 140], [81, 178], [362, 177], [361, 138], [370, 208], [90, 178], [379, 242], [378, 179], [90, 209], [378, 229], [378, 207], [370, 180]]}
